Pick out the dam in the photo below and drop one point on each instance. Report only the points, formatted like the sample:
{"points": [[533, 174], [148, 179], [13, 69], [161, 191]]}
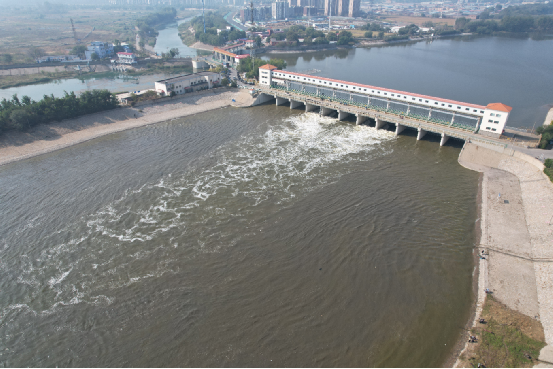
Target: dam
{"points": [[448, 118]]}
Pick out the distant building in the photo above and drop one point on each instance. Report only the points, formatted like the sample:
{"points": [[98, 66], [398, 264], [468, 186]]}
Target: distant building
{"points": [[344, 8], [102, 49], [188, 83], [58, 58], [126, 58], [280, 10]]}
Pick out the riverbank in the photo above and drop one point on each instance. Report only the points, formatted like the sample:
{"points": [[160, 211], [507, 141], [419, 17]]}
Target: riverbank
{"points": [[517, 199], [15, 146]]}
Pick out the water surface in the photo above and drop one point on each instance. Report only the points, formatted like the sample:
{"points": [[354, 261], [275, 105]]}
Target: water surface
{"points": [[237, 237]]}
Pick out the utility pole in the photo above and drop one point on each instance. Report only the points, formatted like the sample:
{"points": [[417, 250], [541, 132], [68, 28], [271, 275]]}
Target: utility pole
{"points": [[203, 12], [74, 32]]}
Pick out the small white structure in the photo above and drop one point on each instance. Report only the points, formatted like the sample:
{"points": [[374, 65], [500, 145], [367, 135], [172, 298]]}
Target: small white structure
{"points": [[188, 83], [265, 74], [495, 119], [126, 58]]}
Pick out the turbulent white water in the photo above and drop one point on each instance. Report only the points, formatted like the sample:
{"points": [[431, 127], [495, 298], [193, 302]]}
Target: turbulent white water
{"points": [[143, 233]]}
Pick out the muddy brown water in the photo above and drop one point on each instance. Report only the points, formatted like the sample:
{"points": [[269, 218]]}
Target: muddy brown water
{"points": [[237, 237]]}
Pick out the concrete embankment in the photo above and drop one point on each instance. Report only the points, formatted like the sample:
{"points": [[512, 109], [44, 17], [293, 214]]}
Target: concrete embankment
{"points": [[517, 207]]}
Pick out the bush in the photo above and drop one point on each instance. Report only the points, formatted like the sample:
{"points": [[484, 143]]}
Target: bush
{"points": [[548, 163]]}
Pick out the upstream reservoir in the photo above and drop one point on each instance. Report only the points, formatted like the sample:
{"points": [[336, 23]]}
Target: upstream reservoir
{"points": [[257, 237]]}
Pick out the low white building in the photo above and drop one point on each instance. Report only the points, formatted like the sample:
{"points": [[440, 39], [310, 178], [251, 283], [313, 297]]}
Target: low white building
{"points": [[58, 58], [126, 58], [495, 119], [188, 83]]}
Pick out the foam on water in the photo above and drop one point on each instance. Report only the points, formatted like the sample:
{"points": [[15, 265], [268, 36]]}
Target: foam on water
{"points": [[149, 231]]}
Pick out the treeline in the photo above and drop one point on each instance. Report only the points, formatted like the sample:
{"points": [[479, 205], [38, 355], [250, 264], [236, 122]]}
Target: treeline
{"points": [[24, 113], [311, 36], [520, 23], [251, 66], [146, 24], [214, 21]]}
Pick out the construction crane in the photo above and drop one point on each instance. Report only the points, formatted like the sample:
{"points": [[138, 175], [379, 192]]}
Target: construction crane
{"points": [[74, 32], [203, 12]]}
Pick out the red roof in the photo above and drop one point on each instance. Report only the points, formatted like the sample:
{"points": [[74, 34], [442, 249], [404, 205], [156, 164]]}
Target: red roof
{"points": [[385, 89], [499, 107], [121, 53], [242, 56], [271, 67]]}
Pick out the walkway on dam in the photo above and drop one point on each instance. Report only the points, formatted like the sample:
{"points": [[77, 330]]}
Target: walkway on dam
{"points": [[382, 116]]}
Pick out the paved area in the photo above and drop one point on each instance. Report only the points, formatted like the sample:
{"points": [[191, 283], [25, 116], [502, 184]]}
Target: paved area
{"points": [[519, 234]]}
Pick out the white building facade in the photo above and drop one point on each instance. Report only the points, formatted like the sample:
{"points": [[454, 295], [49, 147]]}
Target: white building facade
{"points": [[490, 119], [102, 49], [188, 83], [126, 58]]}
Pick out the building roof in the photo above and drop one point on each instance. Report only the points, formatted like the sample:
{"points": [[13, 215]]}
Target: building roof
{"points": [[270, 67], [122, 53], [189, 75], [242, 56], [499, 107]]}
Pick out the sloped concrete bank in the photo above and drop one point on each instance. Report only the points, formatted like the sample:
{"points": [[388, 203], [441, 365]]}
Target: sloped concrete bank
{"points": [[516, 211]]}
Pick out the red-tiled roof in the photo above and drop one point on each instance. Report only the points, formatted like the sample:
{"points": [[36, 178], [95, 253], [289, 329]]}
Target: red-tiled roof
{"points": [[499, 107], [121, 53], [242, 56], [271, 67], [222, 51], [481, 107]]}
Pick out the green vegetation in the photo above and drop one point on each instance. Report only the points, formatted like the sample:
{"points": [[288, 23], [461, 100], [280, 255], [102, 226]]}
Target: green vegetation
{"points": [[548, 170], [508, 340], [150, 95], [510, 21], [251, 67], [147, 23], [24, 113], [213, 21], [546, 133]]}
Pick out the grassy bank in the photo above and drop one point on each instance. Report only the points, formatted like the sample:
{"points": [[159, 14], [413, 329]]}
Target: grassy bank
{"points": [[507, 339]]}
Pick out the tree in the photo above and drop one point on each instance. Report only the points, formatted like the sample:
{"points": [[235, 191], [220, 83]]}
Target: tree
{"points": [[381, 34], [258, 41], [20, 119], [35, 52], [461, 22], [224, 82], [291, 35], [78, 50], [7, 58], [331, 36], [308, 40], [498, 7], [174, 52], [94, 56], [369, 34]]}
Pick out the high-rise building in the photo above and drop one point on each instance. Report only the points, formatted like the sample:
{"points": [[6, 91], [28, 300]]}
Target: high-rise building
{"points": [[280, 10], [331, 7]]}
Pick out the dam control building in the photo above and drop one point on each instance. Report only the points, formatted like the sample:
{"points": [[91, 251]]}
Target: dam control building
{"points": [[487, 120]]}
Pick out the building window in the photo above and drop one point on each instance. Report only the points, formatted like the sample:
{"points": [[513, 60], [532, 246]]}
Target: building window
{"points": [[385, 93], [354, 88], [496, 121], [474, 111], [426, 101], [420, 100], [449, 106], [365, 90], [435, 103], [488, 128], [493, 129], [492, 115], [392, 94], [378, 91], [498, 115], [340, 85], [490, 121], [482, 111], [467, 108], [458, 107]]}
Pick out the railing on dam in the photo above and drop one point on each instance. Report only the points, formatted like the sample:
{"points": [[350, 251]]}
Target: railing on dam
{"points": [[432, 115], [400, 119]]}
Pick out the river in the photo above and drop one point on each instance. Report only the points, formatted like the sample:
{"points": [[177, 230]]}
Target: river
{"points": [[248, 237], [479, 70]]}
